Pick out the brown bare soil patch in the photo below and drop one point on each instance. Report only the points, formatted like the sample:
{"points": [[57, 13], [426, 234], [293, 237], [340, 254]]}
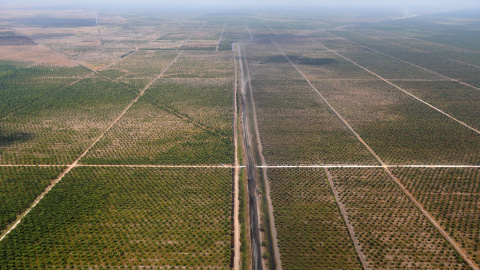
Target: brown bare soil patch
{"points": [[35, 54]]}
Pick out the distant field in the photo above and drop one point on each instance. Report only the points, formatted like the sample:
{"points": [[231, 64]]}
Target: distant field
{"points": [[358, 140]]}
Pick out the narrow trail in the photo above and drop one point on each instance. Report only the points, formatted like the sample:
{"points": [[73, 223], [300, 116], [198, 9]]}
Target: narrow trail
{"points": [[461, 252], [350, 229], [248, 30], [273, 31], [401, 89], [273, 229], [236, 176], [257, 261], [99, 30], [76, 162], [221, 36]]}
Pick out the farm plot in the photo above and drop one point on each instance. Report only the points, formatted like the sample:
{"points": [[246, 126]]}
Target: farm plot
{"points": [[19, 86], [206, 39], [400, 129], [310, 229], [388, 67], [458, 54], [19, 186], [149, 133], [391, 231], [450, 29], [139, 68], [452, 196], [295, 126], [205, 101], [318, 63], [458, 100], [202, 64], [57, 128], [127, 217], [442, 65]]}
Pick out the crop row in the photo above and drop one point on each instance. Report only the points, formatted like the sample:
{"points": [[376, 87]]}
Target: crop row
{"points": [[391, 231], [19, 187], [127, 217], [452, 196], [310, 229]]}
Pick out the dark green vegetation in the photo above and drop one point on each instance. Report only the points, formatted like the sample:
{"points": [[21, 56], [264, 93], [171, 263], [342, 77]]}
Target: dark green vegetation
{"points": [[59, 127], [19, 186], [110, 217], [311, 230], [19, 85]]}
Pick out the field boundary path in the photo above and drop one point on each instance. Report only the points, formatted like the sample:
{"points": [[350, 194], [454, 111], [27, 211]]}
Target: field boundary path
{"points": [[221, 37], [75, 163], [248, 30], [462, 253]]}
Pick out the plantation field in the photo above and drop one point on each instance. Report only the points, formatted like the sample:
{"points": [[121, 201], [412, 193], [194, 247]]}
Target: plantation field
{"points": [[452, 195], [19, 188], [295, 126], [312, 233], [391, 231], [109, 217], [281, 139], [58, 127]]}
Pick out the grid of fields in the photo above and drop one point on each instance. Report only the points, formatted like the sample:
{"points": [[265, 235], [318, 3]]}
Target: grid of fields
{"points": [[357, 135]]}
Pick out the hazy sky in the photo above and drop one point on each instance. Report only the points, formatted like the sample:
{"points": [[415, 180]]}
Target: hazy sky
{"points": [[434, 4]]}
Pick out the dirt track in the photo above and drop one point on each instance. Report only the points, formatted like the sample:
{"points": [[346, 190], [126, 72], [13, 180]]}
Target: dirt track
{"points": [[257, 263]]}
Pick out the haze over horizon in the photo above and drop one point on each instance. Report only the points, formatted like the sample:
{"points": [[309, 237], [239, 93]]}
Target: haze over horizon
{"points": [[191, 4]]}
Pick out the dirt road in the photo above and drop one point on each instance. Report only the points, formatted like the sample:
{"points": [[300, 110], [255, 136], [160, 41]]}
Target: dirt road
{"points": [[257, 263]]}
